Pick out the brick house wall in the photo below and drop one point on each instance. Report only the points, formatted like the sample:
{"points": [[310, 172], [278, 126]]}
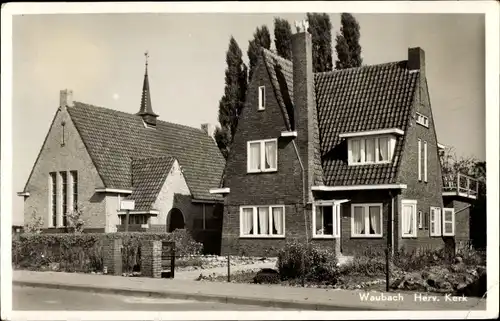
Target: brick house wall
{"points": [[73, 156], [462, 218], [281, 187], [427, 193]]}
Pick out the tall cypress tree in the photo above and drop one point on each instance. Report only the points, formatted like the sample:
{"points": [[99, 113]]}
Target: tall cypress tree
{"points": [[320, 28], [283, 38], [261, 38], [231, 103], [348, 47]]}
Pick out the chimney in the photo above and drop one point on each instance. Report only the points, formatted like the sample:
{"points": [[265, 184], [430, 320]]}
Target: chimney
{"points": [[65, 98], [303, 76], [416, 59], [305, 120], [209, 129]]}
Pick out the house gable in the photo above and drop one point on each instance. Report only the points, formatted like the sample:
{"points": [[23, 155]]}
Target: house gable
{"points": [[254, 125], [54, 156]]}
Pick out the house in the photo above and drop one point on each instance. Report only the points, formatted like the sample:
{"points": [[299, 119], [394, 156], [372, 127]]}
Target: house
{"points": [[347, 159], [94, 157]]}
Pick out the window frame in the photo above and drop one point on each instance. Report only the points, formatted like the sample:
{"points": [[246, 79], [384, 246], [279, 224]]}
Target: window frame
{"points": [[391, 140], [443, 216], [53, 200], [262, 155], [420, 217], [366, 211], [64, 198], [421, 119], [425, 161], [437, 221], [261, 91], [336, 220], [413, 204], [419, 160], [255, 221]]}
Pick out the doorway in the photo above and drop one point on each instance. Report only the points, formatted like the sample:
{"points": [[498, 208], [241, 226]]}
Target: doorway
{"points": [[175, 220]]}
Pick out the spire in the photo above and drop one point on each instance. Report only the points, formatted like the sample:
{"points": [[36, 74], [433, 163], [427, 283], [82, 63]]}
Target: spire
{"points": [[146, 111]]}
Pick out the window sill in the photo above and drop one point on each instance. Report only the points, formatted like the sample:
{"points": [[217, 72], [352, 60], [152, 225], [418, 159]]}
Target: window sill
{"points": [[409, 236], [262, 236], [372, 163], [263, 172], [261, 109], [367, 236], [328, 237]]}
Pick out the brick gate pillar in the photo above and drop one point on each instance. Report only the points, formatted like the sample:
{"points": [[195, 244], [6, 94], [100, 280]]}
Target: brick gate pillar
{"points": [[151, 258], [112, 251]]}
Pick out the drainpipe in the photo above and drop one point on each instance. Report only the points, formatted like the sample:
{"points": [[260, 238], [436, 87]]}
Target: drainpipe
{"points": [[303, 189], [303, 208], [392, 222]]}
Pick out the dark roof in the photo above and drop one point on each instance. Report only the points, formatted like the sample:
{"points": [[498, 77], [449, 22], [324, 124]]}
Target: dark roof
{"points": [[148, 177], [281, 74], [350, 100], [359, 99], [113, 138]]}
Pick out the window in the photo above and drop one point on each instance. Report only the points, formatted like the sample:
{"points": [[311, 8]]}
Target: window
{"points": [[409, 218], [53, 199], [366, 220], [422, 120], [419, 159], [435, 221], [326, 220], [425, 161], [262, 221], [64, 181], [448, 222], [420, 220], [262, 98], [74, 184], [262, 156], [137, 219], [371, 150]]}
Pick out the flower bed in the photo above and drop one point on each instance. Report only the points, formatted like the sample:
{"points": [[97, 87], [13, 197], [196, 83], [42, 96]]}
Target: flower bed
{"points": [[197, 262]]}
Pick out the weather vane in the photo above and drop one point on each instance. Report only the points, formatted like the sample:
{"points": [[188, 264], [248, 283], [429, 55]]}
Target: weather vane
{"points": [[146, 54]]}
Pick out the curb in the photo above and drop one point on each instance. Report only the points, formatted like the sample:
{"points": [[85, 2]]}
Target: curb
{"points": [[268, 302]]}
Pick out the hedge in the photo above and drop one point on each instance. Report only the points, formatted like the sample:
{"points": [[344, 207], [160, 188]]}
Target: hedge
{"points": [[83, 252]]}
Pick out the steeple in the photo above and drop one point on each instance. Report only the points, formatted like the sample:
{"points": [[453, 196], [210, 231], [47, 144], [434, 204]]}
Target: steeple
{"points": [[146, 111]]}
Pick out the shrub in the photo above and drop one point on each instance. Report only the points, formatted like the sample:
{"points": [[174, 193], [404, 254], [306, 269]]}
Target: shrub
{"points": [[297, 260], [365, 265], [35, 224], [83, 252]]}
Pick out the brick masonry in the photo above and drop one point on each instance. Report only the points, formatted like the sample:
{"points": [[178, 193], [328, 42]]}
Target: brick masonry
{"points": [[112, 255], [151, 258], [55, 157]]}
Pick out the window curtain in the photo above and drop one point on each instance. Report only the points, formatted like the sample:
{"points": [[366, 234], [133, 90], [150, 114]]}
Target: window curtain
{"points": [[255, 156], [383, 151], [270, 154], [356, 155], [263, 217], [247, 221], [278, 220], [408, 220], [359, 220], [319, 220], [370, 150], [374, 212]]}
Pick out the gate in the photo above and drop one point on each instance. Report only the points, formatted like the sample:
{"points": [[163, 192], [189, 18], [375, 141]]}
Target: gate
{"points": [[167, 259]]}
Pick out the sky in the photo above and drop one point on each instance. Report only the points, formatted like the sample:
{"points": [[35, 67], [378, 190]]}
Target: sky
{"points": [[101, 58]]}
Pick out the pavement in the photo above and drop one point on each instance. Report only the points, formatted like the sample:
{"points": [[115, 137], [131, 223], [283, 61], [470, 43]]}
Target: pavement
{"points": [[43, 299], [275, 296]]}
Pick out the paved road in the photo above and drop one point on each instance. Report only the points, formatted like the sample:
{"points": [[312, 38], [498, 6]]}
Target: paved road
{"points": [[31, 298]]}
